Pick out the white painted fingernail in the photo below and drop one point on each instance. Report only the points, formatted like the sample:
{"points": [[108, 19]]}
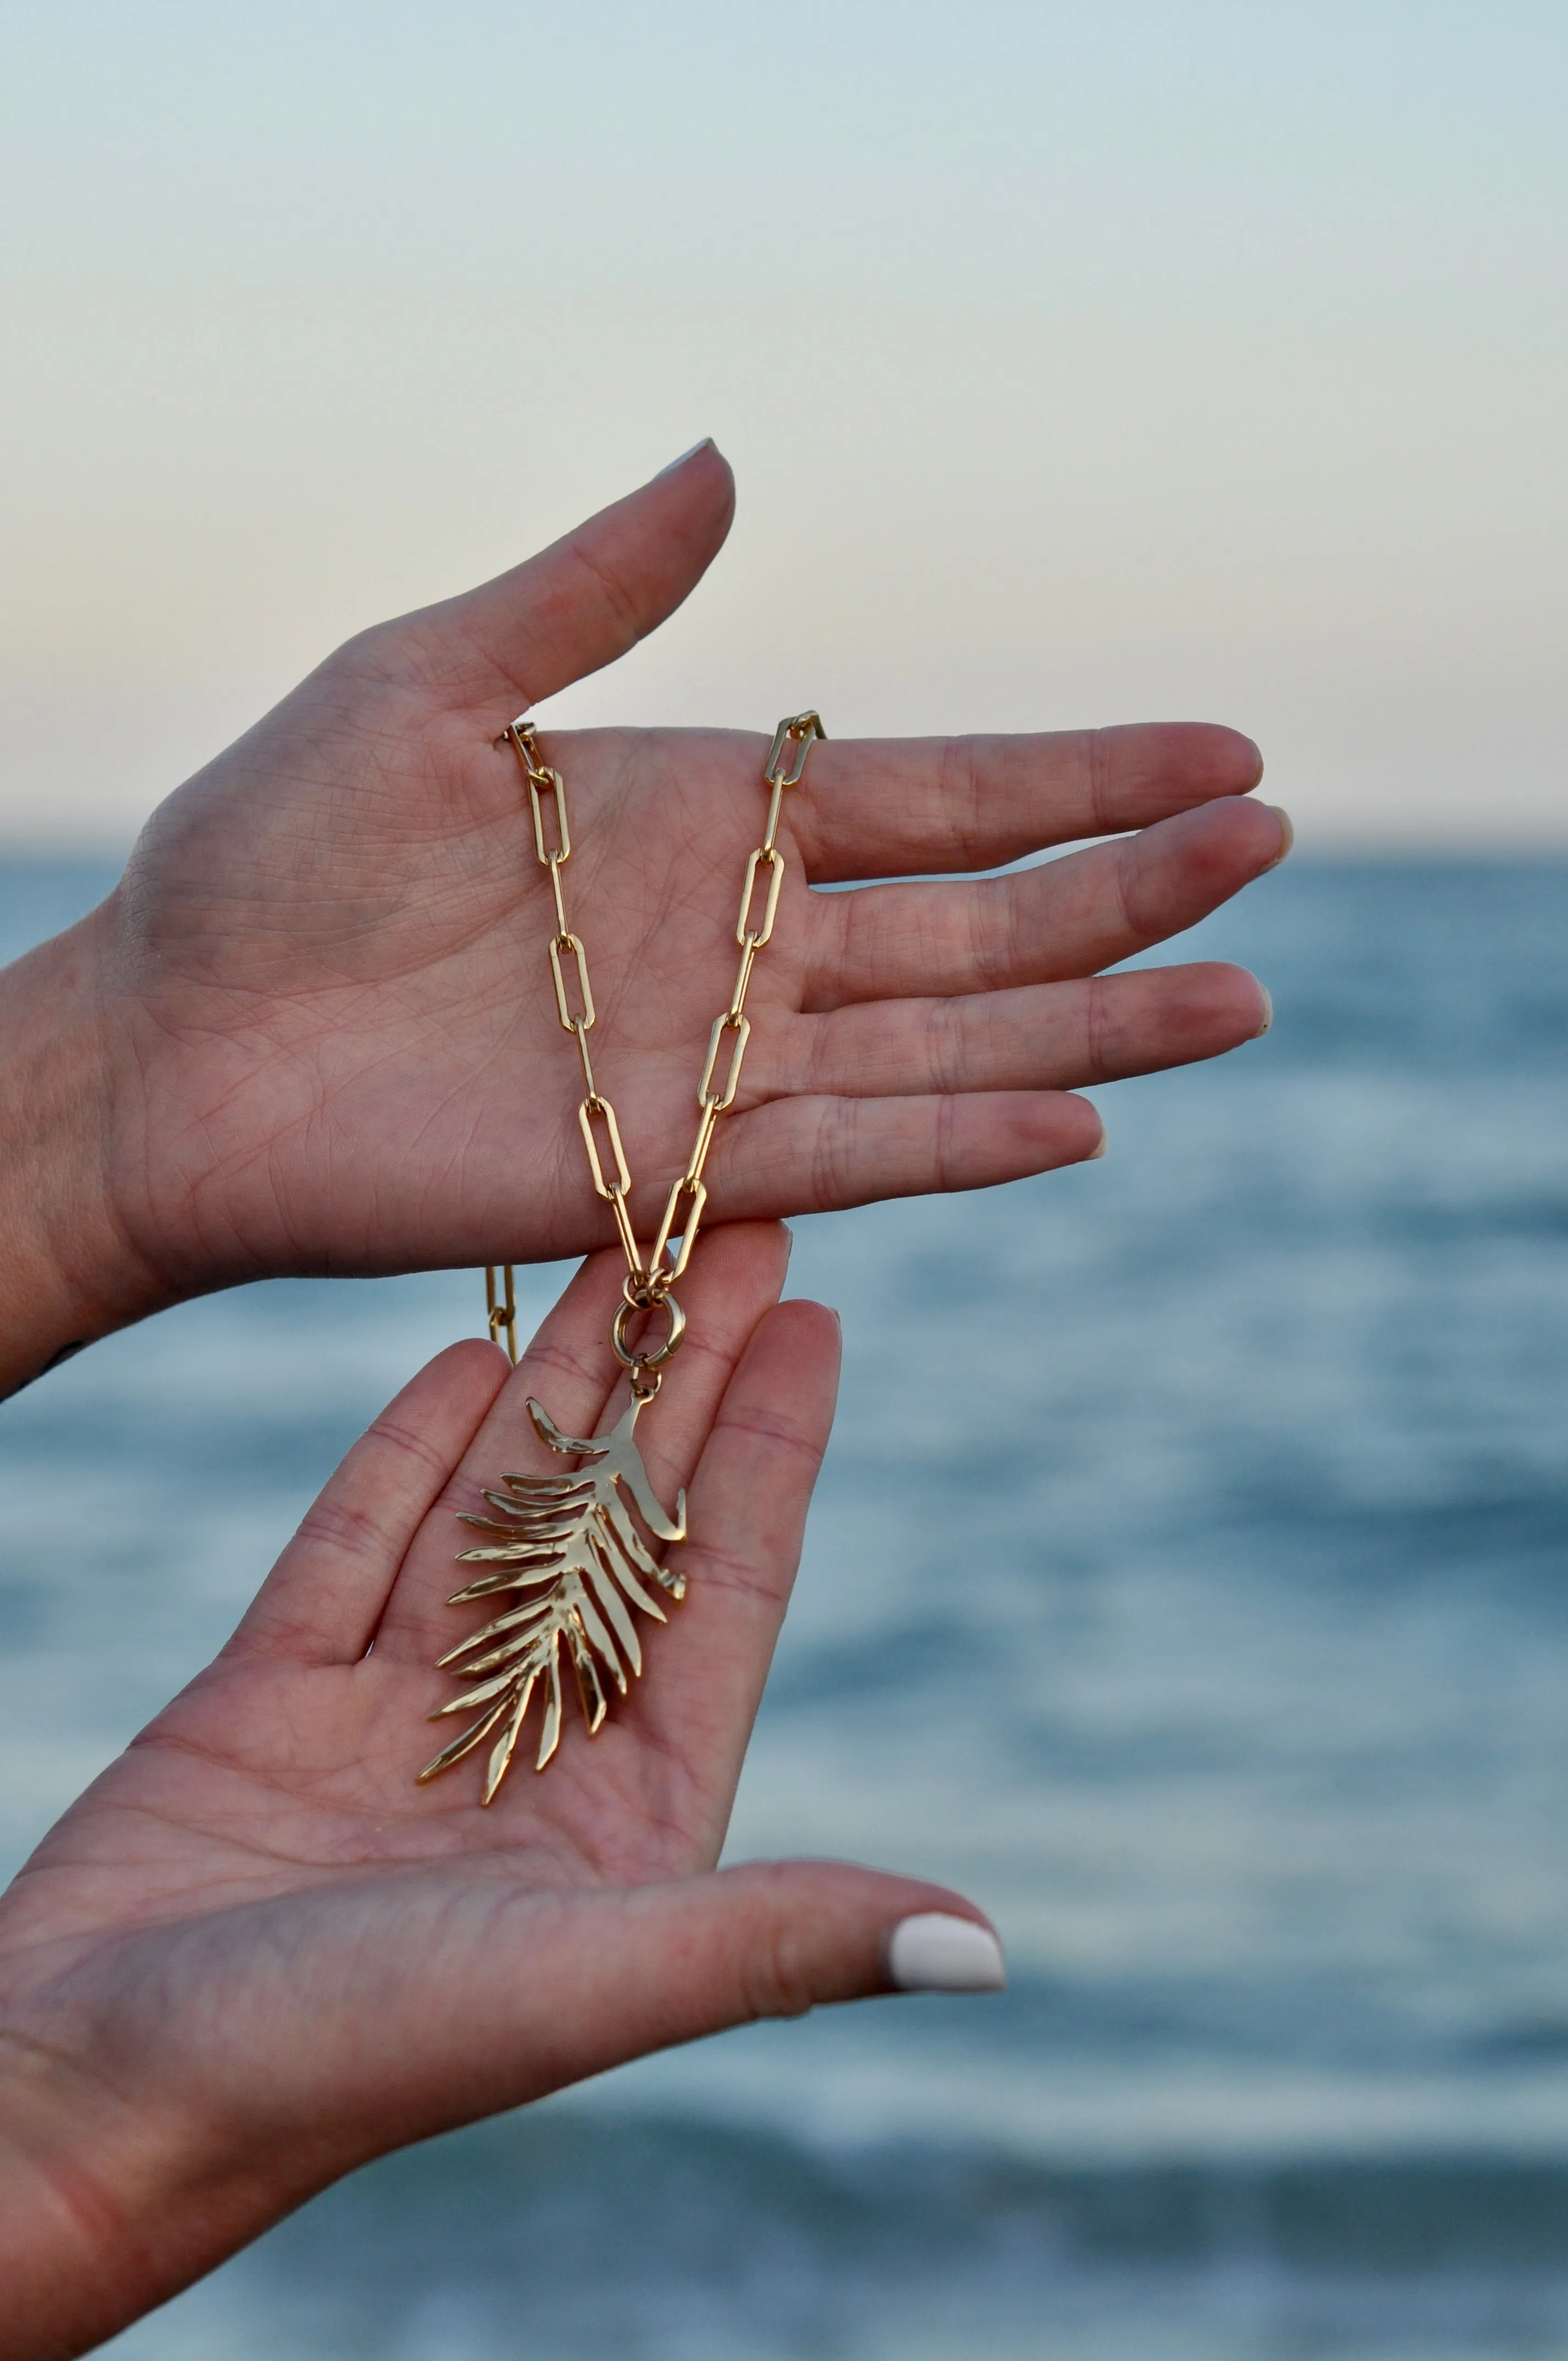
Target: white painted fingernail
{"points": [[934, 1952], [705, 445]]}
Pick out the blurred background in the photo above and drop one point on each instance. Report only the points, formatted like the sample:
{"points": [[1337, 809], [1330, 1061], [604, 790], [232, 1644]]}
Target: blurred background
{"points": [[1078, 364]]}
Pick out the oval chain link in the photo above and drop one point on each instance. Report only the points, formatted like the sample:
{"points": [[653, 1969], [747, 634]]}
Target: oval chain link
{"points": [[647, 1284]]}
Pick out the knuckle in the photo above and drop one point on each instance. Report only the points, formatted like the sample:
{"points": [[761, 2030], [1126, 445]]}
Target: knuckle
{"points": [[1097, 1031], [962, 794], [776, 1432], [1003, 928], [1098, 772], [944, 1149], [622, 606], [1127, 882], [832, 1153], [333, 1525], [408, 1443], [948, 1036], [774, 1977]]}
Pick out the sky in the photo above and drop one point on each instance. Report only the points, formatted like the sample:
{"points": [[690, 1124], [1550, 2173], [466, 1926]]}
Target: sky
{"points": [[1078, 363]]}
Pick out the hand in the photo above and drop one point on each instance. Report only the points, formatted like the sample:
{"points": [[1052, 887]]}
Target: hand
{"points": [[313, 1030], [255, 1953]]}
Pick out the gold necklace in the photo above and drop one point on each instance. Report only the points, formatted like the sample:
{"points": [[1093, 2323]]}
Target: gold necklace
{"points": [[568, 1541]]}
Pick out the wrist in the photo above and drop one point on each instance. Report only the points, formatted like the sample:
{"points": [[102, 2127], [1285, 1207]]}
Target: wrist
{"points": [[50, 2220], [68, 1273], [86, 2185]]}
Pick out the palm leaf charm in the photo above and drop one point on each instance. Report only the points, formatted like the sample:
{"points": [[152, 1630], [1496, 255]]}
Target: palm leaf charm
{"points": [[571, 1540]]}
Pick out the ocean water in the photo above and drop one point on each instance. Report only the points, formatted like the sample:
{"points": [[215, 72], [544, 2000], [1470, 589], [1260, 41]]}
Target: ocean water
{"points": [[1188, 1583]]}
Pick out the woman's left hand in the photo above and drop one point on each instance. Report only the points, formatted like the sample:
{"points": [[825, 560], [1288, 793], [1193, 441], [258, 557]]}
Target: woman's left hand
{"points": [[313, 1028]]}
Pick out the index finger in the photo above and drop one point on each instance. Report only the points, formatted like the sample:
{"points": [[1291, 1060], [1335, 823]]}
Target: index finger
{"points": [[903, 807]]}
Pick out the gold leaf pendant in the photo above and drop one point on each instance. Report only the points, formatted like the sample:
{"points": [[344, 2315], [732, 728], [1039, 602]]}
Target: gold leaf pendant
{"points": [[571, 1538]]}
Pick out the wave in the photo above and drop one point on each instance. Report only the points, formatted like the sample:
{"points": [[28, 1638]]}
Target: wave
{"points": [[562, 2231]]}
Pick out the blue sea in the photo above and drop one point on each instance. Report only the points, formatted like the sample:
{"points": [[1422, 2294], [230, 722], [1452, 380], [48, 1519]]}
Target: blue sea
{"points": [[1188, 1583]]}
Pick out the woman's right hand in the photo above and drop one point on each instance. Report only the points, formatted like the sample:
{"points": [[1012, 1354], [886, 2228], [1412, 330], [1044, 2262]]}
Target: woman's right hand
{"points": [[257, 1953]]}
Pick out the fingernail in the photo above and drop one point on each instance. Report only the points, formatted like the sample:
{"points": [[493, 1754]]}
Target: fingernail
{"points": [[934, 1953], [1096, 1153], [1263, 994], [1289, 833], [706, 444]]}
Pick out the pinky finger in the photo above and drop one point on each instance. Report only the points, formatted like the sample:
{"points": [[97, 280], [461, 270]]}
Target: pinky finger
{"points": [[324, 1596]]}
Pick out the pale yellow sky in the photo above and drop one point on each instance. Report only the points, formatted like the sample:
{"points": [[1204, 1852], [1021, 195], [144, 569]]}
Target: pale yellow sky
{"points": [[1083, 363]]}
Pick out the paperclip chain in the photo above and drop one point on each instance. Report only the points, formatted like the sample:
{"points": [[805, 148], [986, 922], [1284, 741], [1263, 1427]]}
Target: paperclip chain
{"points": [[647, 1285]]}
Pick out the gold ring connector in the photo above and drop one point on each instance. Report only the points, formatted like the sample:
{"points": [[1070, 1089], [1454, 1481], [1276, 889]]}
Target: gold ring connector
{"points": [[637, 1362]]}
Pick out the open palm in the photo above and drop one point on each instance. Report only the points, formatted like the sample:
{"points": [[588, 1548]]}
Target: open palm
{"points": [[330, 1039], [257, 1953]]}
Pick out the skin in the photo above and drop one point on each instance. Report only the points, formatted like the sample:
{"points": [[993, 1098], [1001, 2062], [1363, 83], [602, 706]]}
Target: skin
{"points": [[313, 1030], [255, 1953]]}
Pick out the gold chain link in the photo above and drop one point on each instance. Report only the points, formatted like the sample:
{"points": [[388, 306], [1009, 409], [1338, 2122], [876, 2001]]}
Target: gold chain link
{"points": [[647, 1284], [500, 1304]]}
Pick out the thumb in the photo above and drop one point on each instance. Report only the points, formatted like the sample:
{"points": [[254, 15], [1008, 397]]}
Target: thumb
{"points": [[493, 1995], [645, 1969], [257, 2053], [582, 602]]}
